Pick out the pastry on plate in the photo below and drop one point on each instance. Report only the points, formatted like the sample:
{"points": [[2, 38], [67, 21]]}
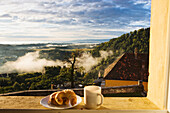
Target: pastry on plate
{"points": [[63, 98]]}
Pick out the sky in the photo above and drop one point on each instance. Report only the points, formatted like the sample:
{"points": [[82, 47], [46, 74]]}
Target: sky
{"points": [[65, 20]]}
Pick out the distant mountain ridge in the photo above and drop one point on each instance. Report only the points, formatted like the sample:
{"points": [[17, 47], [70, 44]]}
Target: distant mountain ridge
{"points": [[90, 41], [98, 41]]}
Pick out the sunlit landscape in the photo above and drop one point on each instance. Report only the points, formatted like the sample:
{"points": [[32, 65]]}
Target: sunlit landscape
{"points": [[70, 44]]}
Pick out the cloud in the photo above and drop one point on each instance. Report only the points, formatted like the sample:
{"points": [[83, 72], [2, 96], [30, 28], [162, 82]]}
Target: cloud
{"points": [[91, 1], [139, 23], [51, 17], [5, 16], [146, 3], [28, 63], [88, 61], [31, 62]]}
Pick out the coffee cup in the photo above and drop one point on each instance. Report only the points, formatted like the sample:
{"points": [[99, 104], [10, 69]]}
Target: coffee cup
{"points": [[93, 98]]}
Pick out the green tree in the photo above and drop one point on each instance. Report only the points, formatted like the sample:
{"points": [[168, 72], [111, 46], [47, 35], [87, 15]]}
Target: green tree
{"points": [[63, 76], [32, 87], [72, 61], [16, 86], [8, 89], [23, 86], [52, 70], [4, 81]]}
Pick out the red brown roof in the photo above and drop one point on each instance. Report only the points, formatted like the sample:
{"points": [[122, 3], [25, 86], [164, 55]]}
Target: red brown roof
{"points": [[128, 67]]}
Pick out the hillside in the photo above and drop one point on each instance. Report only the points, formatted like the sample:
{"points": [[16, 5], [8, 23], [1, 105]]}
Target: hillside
{"points": [[125, 43]]}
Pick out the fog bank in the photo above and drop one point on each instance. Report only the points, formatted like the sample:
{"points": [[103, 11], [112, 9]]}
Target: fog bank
{"points": [[31, 62]]}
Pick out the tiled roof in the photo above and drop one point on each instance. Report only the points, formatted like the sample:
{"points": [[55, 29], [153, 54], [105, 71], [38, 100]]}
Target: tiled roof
{"points": [[110, 67], [127, 67]]}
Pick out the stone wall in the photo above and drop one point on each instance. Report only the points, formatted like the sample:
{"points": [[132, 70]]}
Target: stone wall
{"points": [[113, 83], [80, 91]]}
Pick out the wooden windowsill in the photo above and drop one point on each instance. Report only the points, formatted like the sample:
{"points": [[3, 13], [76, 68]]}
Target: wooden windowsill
{"points": [[15, 103]]}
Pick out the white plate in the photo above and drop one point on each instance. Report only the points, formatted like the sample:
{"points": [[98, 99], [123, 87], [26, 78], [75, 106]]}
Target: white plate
{"points": [[44, 102]]}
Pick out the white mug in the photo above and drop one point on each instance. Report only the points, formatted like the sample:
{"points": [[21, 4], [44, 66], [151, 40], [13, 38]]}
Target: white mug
{"points": [[93, 97]]}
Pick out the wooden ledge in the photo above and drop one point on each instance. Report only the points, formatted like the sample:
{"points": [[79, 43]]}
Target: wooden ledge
{"points": [[110, 103]]}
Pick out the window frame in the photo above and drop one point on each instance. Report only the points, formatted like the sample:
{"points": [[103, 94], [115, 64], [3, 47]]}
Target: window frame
{"points": [[167, 87]]}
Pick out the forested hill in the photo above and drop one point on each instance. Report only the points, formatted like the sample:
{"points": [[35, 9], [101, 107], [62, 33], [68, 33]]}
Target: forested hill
{"points": [[62, 75], [126, 43]]}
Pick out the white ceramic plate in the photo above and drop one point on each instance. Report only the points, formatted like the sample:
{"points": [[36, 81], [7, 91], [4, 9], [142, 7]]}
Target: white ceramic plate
{"points": [[44, 102]]}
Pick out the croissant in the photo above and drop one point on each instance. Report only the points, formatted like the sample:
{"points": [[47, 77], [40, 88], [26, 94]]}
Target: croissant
{"points": [[52, 99], [71, 96], [73, 99], [63, 98]]}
